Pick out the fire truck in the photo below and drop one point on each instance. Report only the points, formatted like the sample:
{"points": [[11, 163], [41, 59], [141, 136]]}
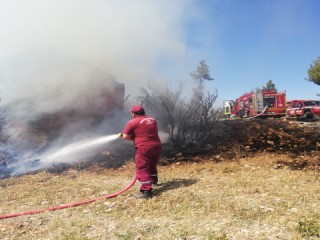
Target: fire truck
{"points": [[307, 109], [259, 103]]}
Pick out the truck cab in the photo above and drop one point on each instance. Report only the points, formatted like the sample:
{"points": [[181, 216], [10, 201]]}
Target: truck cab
{"points": [[228, 108]]}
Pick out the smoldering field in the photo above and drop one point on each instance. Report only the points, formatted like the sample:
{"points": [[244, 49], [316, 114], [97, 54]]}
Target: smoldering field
{"points": [[259, 182]]}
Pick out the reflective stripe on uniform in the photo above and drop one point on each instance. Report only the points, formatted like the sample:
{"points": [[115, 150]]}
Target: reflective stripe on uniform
{"points": [[144, 183]]}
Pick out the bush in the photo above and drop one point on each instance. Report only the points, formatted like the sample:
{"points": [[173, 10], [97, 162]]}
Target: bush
{"points": [[189, 122], [7, 153], [3, 136], [3, 139]]}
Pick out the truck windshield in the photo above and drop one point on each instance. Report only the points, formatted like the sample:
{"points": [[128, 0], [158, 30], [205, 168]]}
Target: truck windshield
{"points": [[308, 103], [311, 103]]}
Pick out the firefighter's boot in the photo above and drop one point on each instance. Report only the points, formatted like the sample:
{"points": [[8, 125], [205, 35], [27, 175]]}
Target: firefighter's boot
{"points": [[143, 194]]}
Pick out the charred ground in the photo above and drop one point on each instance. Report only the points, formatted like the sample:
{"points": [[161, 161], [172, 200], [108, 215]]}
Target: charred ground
{"points": [[234, 139], [231, 140]]}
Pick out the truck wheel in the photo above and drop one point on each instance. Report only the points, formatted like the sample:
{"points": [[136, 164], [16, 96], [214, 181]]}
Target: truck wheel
{"points": [[308, 115]]}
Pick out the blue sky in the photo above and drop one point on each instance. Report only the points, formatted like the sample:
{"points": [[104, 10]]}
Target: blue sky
{"points": [[245, 43]]}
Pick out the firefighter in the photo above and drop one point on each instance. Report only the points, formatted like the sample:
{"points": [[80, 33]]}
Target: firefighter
{"points": [[246, 110], [143, 131]]}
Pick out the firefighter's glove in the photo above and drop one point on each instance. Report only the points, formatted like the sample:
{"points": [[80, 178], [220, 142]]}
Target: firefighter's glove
{"points": [[120, 135]]}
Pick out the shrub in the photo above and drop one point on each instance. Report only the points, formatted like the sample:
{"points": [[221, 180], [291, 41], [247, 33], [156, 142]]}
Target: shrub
{"points": [[189, 122]]}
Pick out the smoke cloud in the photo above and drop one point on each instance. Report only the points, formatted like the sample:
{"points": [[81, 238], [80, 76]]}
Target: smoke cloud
{"points": [[60, 56], [122, 38]]}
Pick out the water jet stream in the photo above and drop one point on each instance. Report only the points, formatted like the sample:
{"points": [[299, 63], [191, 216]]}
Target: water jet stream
{"points": [[70, 153], [75, 147]]}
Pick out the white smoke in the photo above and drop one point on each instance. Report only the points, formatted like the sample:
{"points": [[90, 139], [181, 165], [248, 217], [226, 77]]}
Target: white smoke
{"points": [[47, 80], [122, 38], [59, 54]]}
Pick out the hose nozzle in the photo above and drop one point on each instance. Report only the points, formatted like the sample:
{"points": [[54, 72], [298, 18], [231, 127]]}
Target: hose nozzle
{"points": [[120, 135]]}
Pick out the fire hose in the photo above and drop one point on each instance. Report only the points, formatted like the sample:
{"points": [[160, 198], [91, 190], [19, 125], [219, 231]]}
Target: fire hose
{"points": [[75, 204], [260, 113]]}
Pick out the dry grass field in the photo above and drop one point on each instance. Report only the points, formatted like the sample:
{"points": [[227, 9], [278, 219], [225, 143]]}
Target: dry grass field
{"points": [[252, 197]]}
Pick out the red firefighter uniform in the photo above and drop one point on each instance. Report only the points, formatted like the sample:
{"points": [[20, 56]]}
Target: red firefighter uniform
{"points": [[144, 134]]}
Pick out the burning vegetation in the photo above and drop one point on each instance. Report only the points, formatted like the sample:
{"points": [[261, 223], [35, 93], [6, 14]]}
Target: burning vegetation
{"points": [[90, 111]]}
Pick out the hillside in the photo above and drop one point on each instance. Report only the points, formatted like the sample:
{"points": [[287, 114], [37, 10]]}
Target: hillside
{"points": [[257, 180]]}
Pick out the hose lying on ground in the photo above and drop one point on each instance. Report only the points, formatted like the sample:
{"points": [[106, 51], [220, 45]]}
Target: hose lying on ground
{"points": [[75, 204], [260, 113]]}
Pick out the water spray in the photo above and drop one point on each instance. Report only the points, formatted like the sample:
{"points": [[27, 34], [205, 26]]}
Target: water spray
{"points": [[69, 149], [56, 155], [78, 146]]}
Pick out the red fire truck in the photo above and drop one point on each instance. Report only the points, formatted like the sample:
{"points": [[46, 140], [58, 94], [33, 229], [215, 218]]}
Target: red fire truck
{"points": [[260, 103], [307, 109]]}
